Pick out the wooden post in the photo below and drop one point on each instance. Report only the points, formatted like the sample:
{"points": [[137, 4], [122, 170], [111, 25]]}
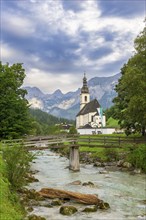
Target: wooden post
{"points": [[104, 140], [74, 158], [119, 141]]}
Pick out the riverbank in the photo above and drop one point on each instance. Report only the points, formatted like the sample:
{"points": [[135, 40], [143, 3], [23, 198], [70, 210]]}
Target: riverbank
{"points": [[10, 208], [14, 175], [131, 158]]}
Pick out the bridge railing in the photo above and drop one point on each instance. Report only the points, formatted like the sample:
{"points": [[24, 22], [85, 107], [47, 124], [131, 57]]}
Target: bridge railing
{"points": [[42, 141], [71, 140]]}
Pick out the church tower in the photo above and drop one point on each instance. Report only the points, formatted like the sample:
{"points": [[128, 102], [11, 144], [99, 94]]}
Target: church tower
{"points": [[84, 96]]}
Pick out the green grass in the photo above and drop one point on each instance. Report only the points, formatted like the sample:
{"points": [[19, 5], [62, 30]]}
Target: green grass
{"points": [[104, 153], [10, 208], [112, 123], [95, 152]]}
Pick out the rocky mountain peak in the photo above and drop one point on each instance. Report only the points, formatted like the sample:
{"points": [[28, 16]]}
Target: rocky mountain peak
{"points": [[67, 105]]}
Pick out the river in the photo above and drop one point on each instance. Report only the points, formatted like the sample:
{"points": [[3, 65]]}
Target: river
{"points": [[125, 193]]}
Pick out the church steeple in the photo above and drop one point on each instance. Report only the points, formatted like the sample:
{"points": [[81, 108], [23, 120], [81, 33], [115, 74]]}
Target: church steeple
{"points": [[85, 87], [84, 96]]}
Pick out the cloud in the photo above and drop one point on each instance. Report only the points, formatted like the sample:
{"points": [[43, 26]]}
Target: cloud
{"points": [[48, 81], [58, 40], [18, 25]]}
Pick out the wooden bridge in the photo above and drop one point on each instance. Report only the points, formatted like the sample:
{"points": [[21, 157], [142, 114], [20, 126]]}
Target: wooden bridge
{"points": [[74, 142]]}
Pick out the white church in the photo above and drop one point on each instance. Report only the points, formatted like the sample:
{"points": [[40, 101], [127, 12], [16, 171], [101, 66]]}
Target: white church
{"points": [[90, 114]]}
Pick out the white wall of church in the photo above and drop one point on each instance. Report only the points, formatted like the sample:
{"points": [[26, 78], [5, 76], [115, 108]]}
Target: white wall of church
{"points": [[93, 130], [79, 121], [100, 121], [87, 119]]}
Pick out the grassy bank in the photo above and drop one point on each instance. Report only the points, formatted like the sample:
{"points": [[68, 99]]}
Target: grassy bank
{"points": [[14, 166], [129, 152], [10, 208]]}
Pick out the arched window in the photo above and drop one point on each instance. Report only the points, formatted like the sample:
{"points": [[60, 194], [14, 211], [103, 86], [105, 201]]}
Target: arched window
{"points": [[85, 98]]}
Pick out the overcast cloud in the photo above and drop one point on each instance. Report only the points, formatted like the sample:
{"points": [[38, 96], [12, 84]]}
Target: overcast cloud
{"points": [[57, 40]]}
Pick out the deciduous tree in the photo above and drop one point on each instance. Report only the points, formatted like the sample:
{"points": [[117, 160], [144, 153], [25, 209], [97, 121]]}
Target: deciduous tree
{"points": [[130, 103], [14, 114]]}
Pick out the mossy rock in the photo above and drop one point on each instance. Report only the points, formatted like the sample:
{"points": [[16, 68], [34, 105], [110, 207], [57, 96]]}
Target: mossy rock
{"points": [[35, 217], [68, 210], [48, 206], [103, 205], [56, 202], [32, 194], [30, 209], [88, 184], [90, 209]]}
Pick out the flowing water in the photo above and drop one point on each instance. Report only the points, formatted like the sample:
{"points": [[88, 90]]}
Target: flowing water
{"points": [[125, 193]]}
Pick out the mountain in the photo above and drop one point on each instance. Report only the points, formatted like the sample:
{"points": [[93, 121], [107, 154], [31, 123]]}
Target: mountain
{"points": [[67, 105]]}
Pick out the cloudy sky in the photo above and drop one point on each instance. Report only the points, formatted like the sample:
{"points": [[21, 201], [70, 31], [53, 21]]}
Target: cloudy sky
{"points": [[57, 40]]}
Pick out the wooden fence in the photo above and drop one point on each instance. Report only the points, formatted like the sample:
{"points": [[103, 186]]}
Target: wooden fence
{"points": [[109, 141], [89, 141]]}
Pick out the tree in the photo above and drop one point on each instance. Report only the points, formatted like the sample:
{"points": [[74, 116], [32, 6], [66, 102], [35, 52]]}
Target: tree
{"points": [[73, 130], [14, 114], [130, 103]]}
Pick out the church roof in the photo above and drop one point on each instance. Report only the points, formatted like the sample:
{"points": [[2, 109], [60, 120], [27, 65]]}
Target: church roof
{"points": [[89, 107]]}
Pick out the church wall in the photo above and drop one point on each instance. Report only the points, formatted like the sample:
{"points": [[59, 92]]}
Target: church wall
{"points": [[93, 130], [85, 119], [79, 121], [104, 121]]}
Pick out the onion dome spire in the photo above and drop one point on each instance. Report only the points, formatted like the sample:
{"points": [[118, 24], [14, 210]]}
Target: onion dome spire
{"points": [[84, 88]]}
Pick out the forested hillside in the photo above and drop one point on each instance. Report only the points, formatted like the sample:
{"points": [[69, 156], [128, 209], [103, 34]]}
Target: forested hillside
{"points": [[45, 124]]}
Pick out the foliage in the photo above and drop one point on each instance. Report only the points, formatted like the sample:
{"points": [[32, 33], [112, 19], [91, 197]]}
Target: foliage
{"points": [[73, 130], [112, 123], [44, 123], [111, 154], [14, 115], [130, 102], [110, 112], [17, 160], [10, 208], [137, 157]]}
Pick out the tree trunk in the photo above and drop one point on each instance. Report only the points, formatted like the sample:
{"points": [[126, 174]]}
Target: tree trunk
{"points": [[143, 131], [63, 194]]}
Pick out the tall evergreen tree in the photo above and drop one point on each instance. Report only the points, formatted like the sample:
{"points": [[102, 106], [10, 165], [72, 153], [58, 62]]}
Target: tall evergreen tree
{"points": [[14, 114], [130, 103]]}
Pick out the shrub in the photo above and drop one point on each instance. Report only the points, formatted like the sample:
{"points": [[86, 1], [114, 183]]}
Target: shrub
{"points": [[73, 130], [111, 154], [137, 157], [10, 209], [17, 160]]}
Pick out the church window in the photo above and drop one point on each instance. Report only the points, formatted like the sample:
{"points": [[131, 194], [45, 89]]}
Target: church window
{"points": [[85, 98], [92, 118]]}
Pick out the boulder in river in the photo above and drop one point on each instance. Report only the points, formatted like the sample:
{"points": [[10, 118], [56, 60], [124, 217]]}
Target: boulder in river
{"points": [[127, 165], [35, 217], [56, 202], [103, 205], [90, 209], [68, 210], [103, 172], [88, 184], [76, 182]]}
